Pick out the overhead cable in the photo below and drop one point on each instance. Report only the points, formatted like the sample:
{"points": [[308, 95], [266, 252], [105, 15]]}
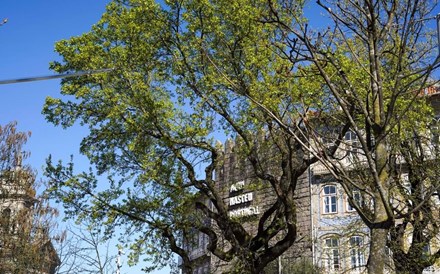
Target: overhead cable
{"points": [[56, 76]]}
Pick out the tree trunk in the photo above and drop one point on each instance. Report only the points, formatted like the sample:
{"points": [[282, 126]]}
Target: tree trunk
{"points": [[380, 229], [378, 255]]}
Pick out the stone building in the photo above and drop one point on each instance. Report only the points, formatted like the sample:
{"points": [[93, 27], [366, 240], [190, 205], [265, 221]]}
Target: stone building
{"points": [[247, 198], [331, 236], [340, 240]]}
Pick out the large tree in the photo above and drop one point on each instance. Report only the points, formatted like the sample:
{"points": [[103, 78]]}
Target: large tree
{"points": [[187, 72], [26, 219], [184, 74], [374, 60]]}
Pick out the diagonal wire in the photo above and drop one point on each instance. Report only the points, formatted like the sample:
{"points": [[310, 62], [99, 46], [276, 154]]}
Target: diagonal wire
{"points": [[49, 77]]}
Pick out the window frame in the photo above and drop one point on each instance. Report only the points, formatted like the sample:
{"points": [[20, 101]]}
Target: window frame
{"points": [[356, 250], [352, 145], [327, 199], [332, 253], [357, 198]]}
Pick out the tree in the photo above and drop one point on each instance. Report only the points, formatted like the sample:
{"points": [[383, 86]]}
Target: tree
{"points": [[186, 72], [183, 74], [418, 203], [84, 249], [26, 219], [372, 61]]}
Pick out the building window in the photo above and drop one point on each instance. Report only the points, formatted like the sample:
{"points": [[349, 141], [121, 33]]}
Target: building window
{"points": [[202, 269], [352, 144], [330, 199], [357, 199], [436, 197], [331, 253], [356, 251], [205, 269]]}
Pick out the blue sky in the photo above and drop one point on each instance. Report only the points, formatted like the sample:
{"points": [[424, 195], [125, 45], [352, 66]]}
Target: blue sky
{"points": [[26, 48]]}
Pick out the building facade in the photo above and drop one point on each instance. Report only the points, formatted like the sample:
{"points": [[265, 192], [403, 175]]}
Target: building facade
{"points": [[331, 236], [341, 242], [248, 198]]}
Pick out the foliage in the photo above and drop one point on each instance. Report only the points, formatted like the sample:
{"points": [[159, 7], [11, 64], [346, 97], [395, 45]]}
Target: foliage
{"points": [[414, 239], [183, 74]]}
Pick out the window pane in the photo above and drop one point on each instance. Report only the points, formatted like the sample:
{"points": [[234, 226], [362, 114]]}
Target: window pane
{"points": [[336, 258], [333, 200], [357, 199], [328, 242], [329, 190], [329, 199]]}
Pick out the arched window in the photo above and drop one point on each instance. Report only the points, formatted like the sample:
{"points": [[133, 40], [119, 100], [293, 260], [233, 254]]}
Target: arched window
{"points": [[331, 256], [330, 199], [357, 251]]}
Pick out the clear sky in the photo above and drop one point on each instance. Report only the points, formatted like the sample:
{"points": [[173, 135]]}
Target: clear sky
{"points": [[26, 48]]}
